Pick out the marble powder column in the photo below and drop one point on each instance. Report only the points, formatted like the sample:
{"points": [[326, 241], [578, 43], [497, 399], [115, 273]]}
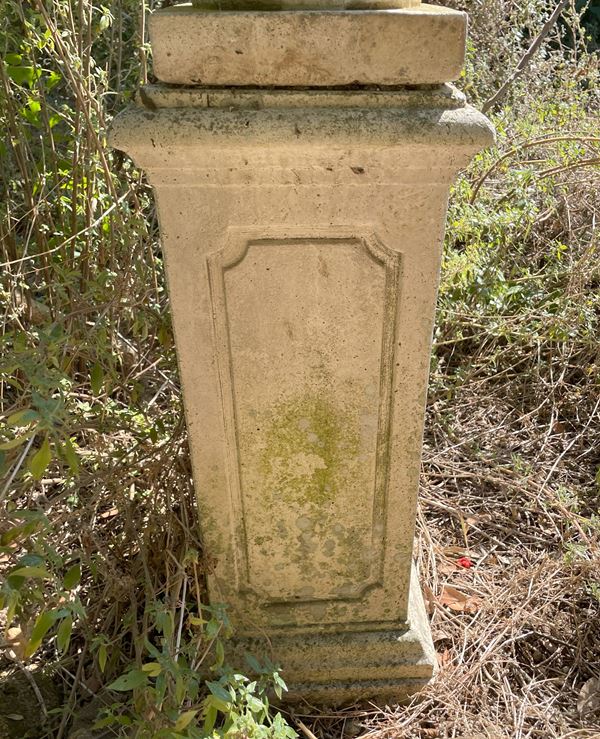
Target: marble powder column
{"points": [[301, 160]]}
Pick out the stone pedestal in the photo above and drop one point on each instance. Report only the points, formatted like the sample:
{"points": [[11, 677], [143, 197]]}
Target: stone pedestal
{"points": [[302, 216]]}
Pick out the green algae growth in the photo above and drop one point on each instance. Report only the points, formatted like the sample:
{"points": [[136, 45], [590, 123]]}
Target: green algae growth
{"points": [[311, 445]]}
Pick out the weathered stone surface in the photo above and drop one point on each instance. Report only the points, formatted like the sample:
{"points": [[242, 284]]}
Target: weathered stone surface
{"points": [[316, 48], [278, 5], [365, 662], [302, 232]]}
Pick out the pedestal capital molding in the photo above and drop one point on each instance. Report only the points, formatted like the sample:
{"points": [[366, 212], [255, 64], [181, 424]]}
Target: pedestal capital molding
{"points": [[390, 135]]}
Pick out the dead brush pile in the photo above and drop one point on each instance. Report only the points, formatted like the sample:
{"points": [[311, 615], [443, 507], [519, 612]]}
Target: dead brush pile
{"points": [[96, 481]]}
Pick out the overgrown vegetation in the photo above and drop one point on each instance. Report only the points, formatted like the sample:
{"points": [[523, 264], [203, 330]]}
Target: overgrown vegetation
{"points": [[98, 531]]}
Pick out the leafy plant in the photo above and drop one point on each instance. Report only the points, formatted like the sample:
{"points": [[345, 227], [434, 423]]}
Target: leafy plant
{"points": [[168, 696]]}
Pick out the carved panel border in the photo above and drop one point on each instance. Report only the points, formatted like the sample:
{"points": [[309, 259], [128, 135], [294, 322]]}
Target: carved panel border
{"points": [[228, 257]]}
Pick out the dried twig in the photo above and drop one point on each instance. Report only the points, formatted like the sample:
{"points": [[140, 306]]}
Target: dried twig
{"points": [[527, 56]]}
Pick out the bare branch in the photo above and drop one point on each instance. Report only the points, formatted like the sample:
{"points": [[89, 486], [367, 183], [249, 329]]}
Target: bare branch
{"points": [[527, 56]]}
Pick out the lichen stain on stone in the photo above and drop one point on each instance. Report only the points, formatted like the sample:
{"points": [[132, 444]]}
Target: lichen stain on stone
{"points": [[311, 443]]}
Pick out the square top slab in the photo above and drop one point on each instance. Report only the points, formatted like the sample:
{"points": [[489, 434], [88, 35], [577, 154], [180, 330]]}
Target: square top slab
{"points": [[308, 48]]}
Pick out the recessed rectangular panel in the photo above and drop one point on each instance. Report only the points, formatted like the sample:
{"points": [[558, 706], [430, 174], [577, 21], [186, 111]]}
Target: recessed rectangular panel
{"points": [[305, 339]]}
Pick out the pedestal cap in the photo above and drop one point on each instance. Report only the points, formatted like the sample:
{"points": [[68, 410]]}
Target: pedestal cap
{"points": [[387, 44]]}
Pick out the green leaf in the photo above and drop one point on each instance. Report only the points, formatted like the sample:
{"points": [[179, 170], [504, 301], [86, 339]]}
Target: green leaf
{"points": [[160, 688], [11, 607], [184, 720], [14, 443], [279, 681], [23, 417], [278, 685], [40, 460], [180, 688], [15, 583], [152, 650], [219, 653], [22, 75], [77, 608], [31, 572], [164, 336], [281, 728], [102, 655], [153, 669], [7, 537], [164, 621], [255, 704], [210, 719], [31, 112], [212, 628], [129, 681], [253, 663], [27, 515], [96, 378], [219, 704], [72, 578], [43, 624], [63, 636], [31, 560], [52, 80], [103, 722], [219, 691], [70, 455]]}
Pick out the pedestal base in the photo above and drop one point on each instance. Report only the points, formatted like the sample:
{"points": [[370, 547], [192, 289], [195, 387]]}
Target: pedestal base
{"points": [[325, 667]]}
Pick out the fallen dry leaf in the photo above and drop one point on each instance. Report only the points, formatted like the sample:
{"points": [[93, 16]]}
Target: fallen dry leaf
{"points": [[17, 641], [456, 600], [455, 551], [429, 598], [588, 701], [444, 658], [109, 514]]}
